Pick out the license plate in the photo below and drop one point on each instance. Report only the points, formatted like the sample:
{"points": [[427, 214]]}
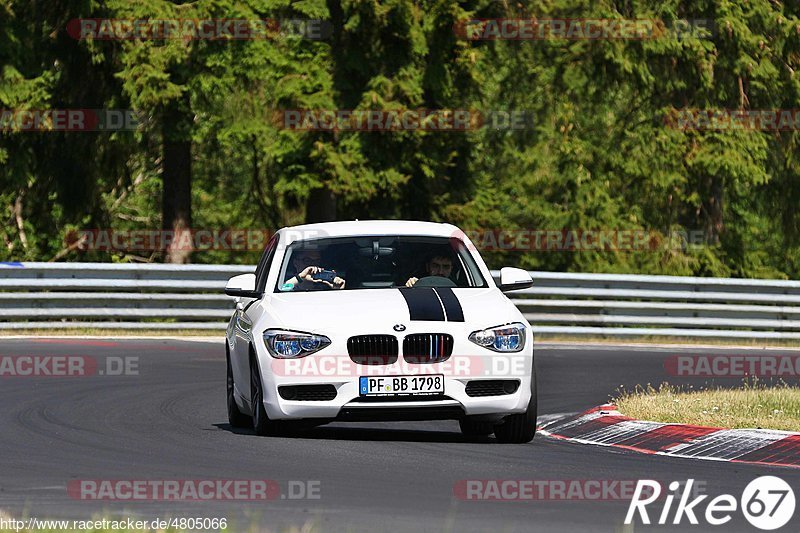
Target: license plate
{"points": [[401, 385]]}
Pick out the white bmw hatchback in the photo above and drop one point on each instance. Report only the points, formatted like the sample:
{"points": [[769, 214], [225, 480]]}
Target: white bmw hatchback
{"points": [[379, 320]]}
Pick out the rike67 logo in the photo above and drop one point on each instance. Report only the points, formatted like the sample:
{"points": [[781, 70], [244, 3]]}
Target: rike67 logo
{"points": [[767, 503]]}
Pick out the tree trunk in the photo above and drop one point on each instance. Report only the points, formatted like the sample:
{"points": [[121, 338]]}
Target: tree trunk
{"points": [[321, 206], [715, 225], [177, 181]]}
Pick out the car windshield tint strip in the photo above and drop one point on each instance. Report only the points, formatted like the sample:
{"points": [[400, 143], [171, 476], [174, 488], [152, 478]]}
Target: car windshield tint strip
{"points": [[423, 304], [451, 304]]}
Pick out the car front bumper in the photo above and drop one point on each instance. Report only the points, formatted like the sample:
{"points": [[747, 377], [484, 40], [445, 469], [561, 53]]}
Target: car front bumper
{"points": [[348, 404]]}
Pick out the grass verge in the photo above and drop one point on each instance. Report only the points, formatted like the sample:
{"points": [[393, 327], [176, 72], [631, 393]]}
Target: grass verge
{"points": [[754, 405]]}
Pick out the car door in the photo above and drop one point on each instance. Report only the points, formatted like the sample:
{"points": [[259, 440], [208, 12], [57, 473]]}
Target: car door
{"points": [[242, 326]]}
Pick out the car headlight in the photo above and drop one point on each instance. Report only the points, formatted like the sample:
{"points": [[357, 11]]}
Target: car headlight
{"points": [[507, 338], [293, 344]]}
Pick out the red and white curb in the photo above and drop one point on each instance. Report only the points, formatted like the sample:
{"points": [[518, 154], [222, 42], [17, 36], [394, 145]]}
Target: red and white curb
{"points": [[606, 426]]}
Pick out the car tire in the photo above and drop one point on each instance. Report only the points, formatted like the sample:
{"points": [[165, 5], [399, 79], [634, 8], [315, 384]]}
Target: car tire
{"points": [[520, 428], [475, 428], [262, 425], [235, 417]]}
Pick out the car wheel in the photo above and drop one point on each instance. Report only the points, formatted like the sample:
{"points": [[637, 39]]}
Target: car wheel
{"points": [[235, 417], [261, 422], [521, 428], [475, 428]]}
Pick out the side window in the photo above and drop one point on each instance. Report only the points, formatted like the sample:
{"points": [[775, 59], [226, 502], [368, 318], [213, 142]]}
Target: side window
{"points": [[474, 278], [262, 271]]}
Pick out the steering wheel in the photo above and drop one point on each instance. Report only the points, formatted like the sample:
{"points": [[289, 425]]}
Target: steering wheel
{"points": [[435, 281]]}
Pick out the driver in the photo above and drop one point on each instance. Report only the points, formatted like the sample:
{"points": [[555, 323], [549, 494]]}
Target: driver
{"points": [[436, 265], [306, 264]]}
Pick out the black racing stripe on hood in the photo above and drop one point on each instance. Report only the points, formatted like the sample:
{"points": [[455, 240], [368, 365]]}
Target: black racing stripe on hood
{"points": [[423, 304], [451, 304]]}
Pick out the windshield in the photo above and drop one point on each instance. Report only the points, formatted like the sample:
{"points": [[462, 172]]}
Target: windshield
{"points": [[378, 262]]}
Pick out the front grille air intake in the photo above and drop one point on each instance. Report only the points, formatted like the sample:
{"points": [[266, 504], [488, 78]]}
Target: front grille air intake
{"points": [[491, 387], [308, 393], [373, 349], [427, 347]]}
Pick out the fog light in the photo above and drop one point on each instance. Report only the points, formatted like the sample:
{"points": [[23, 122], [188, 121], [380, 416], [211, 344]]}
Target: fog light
{"points": [[288, 393]]}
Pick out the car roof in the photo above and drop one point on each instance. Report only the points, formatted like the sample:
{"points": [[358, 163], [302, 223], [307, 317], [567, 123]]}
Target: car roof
{"points": [[368, 227]]}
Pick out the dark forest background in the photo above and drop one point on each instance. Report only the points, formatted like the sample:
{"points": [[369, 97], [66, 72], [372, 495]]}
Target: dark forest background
{"points": [[597, 155]]}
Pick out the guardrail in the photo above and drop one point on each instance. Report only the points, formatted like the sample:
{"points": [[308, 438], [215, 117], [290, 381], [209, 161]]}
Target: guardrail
{"points": [[119, 296], [150, 296]]}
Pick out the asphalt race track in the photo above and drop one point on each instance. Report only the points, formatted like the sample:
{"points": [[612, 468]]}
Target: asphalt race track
{"points": [[169, 422]]}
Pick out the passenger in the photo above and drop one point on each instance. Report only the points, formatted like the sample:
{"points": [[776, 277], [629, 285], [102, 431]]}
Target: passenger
{"points": [[306, 266]]}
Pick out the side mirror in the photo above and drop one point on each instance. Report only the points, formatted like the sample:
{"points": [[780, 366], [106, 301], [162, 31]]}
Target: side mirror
{"points": [[512, 279], [243, 285]]}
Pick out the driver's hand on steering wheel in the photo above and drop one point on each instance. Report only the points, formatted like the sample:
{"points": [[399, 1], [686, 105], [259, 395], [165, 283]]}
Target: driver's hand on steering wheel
{"points": [[411, 282]]}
